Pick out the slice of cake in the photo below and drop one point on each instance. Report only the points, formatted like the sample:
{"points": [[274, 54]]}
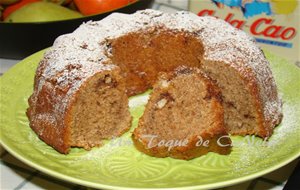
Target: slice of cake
{"points": [[97, 111], [184, 117]]}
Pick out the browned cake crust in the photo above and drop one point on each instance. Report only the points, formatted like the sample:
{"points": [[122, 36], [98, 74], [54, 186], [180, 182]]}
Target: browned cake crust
{"points": [[131, 50], [184, 105]]}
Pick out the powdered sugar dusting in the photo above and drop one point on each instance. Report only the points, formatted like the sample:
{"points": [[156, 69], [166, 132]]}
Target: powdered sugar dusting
{"points": [[79, 55]]}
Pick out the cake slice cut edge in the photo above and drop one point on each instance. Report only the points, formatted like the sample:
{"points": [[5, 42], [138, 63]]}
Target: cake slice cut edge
{"points": [[184, 117]]}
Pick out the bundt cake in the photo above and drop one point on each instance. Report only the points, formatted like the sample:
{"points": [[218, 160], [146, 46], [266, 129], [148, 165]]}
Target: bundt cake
{"points": [[184, 117], [82, 83]]}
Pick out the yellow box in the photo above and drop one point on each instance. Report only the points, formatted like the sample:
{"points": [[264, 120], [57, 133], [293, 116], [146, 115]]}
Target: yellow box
{"points": [[275, 24]]}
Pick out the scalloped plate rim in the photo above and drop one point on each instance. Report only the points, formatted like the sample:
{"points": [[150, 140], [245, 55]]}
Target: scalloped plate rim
{"points": [[98, 185]]}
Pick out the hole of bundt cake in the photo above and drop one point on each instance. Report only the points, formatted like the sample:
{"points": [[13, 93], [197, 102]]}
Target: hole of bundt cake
{"points": [[141, 56], [239, 110], [100, 112]]}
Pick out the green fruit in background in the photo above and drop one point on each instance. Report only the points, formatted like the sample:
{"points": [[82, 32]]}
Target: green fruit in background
{"points": [[60, 2], [42, 12], [8, 2]]}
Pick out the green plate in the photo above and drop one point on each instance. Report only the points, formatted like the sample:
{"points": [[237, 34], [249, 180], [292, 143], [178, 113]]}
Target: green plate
{"points": [[119, 165]]}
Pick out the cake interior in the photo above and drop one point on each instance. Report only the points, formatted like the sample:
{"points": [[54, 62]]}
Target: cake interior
{"points": [[239, 111], [100, 111], [141, 56], [177, 111]]}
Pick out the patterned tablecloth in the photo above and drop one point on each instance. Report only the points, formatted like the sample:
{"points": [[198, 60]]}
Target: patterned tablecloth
{"points": [[16, 175]]}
